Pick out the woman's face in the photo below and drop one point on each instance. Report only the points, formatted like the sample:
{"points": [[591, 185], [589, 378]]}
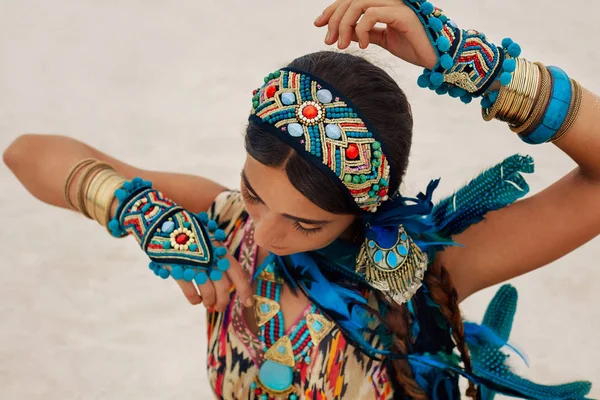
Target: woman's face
{"points": [[285, 221]]}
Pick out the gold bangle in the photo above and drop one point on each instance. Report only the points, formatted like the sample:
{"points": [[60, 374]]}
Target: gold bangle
{"points": [[70, 177], [82, 185], [529, 94], [105, 196], [540, 103], [574, 108], [92, 189]]}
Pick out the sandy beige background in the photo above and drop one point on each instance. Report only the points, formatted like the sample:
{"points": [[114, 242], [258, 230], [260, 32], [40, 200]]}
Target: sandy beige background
{"points": [[167, 85]]}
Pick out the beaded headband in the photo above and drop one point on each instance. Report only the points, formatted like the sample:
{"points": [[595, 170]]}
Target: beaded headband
{"points": [[315, 119]]}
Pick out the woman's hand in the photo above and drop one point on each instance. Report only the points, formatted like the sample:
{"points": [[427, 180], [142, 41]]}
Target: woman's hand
{"points": [[404, 35], [217, 293]]}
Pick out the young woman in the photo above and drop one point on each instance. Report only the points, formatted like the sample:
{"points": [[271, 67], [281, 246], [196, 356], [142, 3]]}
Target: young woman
{"points": [[344, 288]]}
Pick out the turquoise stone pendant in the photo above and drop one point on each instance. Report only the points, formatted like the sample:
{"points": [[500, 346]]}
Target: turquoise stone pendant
{"points": [[276, 379]]}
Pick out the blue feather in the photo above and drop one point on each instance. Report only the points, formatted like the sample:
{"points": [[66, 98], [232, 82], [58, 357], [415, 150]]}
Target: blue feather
{"points": [[493, 189]]}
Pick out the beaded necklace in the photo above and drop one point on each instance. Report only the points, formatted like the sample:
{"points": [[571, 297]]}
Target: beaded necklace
{"points": [[282, 352]]}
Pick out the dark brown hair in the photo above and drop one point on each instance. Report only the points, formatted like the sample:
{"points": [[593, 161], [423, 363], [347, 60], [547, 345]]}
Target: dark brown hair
{"points": [[384, 104]]}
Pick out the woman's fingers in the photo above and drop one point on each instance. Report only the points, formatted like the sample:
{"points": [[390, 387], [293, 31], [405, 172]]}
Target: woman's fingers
{"points": [[209, 296], [189, 291], [323, 19], [241, 282], [222, 289], [365, 30], [354, 12], [334, 21]]}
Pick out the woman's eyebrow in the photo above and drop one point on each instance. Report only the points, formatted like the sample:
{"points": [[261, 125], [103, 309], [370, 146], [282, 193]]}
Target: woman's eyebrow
{"points": [[303, 220], [249, 186]]}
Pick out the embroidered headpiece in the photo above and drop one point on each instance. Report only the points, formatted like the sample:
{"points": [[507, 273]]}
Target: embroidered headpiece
{"points": [[313, 118]]}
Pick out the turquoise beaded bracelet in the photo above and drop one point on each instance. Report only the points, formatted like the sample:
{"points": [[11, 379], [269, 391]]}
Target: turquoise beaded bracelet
{"points": [[179, 243], [557, 110]]}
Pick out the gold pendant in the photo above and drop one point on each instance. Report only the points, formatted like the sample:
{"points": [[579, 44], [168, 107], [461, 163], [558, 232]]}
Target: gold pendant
{"points": [[282, 352], [397, 271], [264, 309], [318, 326]]}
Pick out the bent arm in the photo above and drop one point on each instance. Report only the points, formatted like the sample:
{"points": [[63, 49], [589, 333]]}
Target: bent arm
{"points": [[42, 162], [542, 228]]}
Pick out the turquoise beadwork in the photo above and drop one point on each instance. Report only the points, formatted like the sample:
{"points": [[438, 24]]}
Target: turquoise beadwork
{"points": [[168, 226]]}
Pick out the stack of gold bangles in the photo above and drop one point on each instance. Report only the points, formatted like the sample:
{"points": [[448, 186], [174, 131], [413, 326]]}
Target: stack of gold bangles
{"points": [[94, 192], [535, 104]]}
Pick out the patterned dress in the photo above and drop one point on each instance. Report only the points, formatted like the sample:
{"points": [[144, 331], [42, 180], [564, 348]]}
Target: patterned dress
{"points": [[338, 370]]}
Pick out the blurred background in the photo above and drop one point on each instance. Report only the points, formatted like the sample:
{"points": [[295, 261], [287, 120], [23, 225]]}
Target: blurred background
{"points": [[167, 85]]}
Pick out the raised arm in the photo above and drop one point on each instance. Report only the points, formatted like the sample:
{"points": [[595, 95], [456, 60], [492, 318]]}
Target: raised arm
{"points": [[42, 162]]}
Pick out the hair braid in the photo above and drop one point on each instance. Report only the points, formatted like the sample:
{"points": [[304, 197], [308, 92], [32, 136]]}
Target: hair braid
{"points": [[444, 294]]}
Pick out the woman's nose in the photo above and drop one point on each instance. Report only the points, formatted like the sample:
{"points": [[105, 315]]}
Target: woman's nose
{"points": [[267, 230]]}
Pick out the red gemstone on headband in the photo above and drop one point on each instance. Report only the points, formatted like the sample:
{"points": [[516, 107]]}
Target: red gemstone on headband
{"points": [[271, 91], [382, 192], [310, 112], [352, 151], [182, 238]]}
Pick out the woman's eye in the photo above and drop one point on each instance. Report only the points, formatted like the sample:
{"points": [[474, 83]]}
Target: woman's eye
{"points": [[249, 198], [306, 231]]}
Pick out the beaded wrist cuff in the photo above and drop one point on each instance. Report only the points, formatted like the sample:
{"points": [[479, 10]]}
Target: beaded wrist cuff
{"points": [[467, 63], [170, 235]]}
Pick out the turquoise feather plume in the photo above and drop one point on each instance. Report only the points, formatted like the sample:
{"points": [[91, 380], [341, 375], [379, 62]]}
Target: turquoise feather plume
{"points": [[489, 363], [493, 189]]}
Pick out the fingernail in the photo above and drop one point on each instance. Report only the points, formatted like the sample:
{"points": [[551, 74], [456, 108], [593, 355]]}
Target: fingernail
{"points": [[249, 301], [327, 36], [318, 18]]}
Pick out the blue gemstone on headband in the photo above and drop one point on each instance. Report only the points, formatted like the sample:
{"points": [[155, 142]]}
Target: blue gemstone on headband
{"points": [[288, 98], [333, 131], [324, 96], [295, 129]]}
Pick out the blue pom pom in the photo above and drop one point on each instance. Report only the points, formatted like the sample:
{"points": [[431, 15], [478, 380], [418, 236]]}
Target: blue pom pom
{"points": [[442, 90], [443, 43], [446, 61], [215, 275], [514, 50], [113, 225], [507, 42], [436, 79], [426, 8], [189, 275], [466, 98], [509, 65], [212, 225], [147, 184], [156, 271], [177, 272], [423, 81], [220, 235], [127, 186], [436, 24], [456, 92], [164, 273], [120, 194], [137, 181], [223, 264], [201, 278], [152, 265], [493, 96], [203, 216], [220, 251], [505, 78], [443, 18], [486, 103]]}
